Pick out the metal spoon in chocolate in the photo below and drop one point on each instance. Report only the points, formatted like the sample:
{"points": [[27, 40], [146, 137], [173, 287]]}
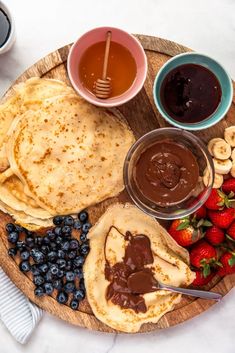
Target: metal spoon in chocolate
{"points": [[143, 282]]}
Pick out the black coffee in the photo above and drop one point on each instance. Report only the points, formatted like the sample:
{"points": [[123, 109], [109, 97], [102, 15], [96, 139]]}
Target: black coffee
{"points": [[5, 28]]}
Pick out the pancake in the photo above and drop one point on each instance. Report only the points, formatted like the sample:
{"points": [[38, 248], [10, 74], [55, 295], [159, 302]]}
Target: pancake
{"points": [[170, 266], [27, 95], [69, 154]]}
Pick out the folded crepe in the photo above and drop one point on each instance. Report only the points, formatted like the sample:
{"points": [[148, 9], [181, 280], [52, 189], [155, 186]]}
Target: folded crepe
{"points": [[170, 266]]}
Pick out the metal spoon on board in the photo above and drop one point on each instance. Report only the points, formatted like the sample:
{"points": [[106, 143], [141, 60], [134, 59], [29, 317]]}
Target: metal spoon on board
{"points": [[143, 282]]}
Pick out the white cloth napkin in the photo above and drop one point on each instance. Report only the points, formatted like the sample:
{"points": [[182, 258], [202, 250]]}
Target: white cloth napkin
{"points": [[18, 314]]}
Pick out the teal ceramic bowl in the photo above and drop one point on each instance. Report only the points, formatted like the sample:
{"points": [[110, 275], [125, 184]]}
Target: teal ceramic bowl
{"points": [[211, 64]]}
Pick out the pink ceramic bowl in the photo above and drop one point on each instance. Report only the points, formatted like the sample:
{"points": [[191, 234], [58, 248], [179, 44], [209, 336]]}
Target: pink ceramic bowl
{"points": [[121, 37]]}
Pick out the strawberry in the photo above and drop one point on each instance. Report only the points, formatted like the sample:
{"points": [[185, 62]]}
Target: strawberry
{"points": [[214, 235], [228, 264], [203, 255], [183, 232], [229, 186], [200, 213], [223, 218], [200, 280], [217, 200], [230, 233]]}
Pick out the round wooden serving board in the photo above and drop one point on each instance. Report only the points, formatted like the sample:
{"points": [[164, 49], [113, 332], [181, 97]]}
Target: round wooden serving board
{"points": [[142, 116]]}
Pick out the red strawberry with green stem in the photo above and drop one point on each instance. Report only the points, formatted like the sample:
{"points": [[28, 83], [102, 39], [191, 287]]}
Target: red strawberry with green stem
{"points": [[200, 280], [203, 256], [184, 233], [217, 200], [223, 218], [227, 261], [214, 235]]}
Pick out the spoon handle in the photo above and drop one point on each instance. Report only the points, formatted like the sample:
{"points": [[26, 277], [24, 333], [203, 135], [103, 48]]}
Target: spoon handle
{"points": [[193, 292]]}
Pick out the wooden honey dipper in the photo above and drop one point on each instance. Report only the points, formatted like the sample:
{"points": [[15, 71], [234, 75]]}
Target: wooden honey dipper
{"points": [[102, 87]]}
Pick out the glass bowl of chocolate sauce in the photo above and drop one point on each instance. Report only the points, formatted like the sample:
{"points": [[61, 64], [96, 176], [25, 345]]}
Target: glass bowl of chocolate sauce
{"points": [[192, 91], [163, 173]]}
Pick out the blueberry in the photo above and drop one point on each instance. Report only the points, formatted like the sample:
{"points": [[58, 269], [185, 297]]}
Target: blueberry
{"points": [[13, 237], [29, 232], [83, 237], [39, 291], [58, 220], [43, 268], [10, 227], [29, 240], [12, 251], [61, 263], [37, 256], [24, 266], [66, 230], [20, 245], [48, 287], [57, 284], [19, 229], [78, 261], [61, 254], [45, 249], [74, 244], [62, 297], [65, 246], [68, 221], [50, 234], [78, 272], [24, 255], [79, 294], [46, 240], [52, 255], [77, 224], [83, 216], [58, 231], [39, 240], [48, 276], [60, 273], [68, 265], [54, 269], [72, 254], [74, 304], [69, 287], [53, 246], [85, 248], [38, 280], [35, 270], [58, 240], [86, 227], [70, 276]]}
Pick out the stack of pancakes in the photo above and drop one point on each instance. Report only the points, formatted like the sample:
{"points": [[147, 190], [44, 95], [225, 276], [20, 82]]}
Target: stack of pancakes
{"points": [[58, 153]]}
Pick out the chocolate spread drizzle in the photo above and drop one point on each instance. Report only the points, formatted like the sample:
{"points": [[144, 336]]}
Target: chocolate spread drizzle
{"points": [[120, 291]]}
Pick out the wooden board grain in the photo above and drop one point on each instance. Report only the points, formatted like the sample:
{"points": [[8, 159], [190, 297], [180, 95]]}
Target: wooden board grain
{"points": [[142, 116]]}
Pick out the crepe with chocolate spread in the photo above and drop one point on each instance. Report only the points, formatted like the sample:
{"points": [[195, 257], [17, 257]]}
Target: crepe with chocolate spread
{"points": [[126, 241]]}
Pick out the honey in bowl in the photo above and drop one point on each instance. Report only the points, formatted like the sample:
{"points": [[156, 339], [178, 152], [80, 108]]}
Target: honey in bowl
{"points": [[122, 67]]}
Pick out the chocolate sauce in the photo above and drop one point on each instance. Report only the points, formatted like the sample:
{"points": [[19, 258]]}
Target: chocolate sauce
{"points": [[138, 253], [142, 282], [166, 172], [190, 93], [5, 28]]}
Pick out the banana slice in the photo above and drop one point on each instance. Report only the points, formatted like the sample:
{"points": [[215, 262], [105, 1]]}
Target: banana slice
{"points": [[232, 171], [233, 154], [229, 135], [212, 142], [222, 166], [221, 150], [218, 179]]}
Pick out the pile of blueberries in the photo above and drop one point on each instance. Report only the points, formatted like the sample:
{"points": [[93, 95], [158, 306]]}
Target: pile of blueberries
{"points": [[55, 258]]}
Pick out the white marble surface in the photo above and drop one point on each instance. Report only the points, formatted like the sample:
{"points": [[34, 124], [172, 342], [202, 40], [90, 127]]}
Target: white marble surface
{"points": [[206, 26]]}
